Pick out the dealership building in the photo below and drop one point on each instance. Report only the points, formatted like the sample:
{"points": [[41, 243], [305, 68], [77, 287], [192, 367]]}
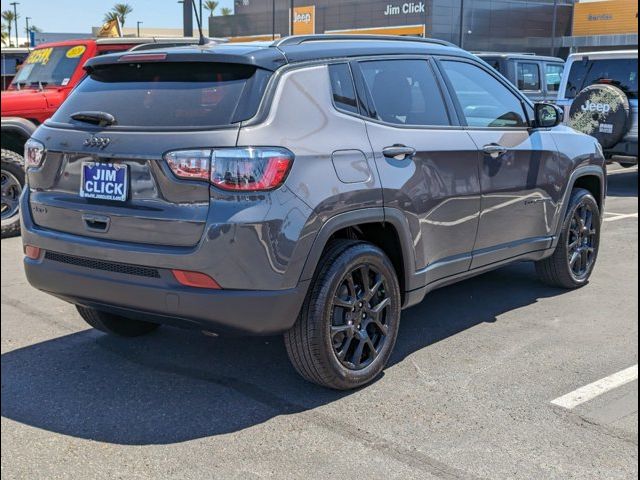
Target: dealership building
{"points": [[536, 26]]}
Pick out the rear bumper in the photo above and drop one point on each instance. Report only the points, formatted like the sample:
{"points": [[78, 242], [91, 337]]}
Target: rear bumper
{"points": [[627, 148], [162, 300], [130, 291]]}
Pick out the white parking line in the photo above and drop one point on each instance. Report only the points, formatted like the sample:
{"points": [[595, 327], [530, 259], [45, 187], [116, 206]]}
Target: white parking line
{"points": [[614, 217], [589, 392]]}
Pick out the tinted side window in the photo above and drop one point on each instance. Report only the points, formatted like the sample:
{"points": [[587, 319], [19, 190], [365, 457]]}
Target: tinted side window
{"points": [[405, 92], [528, 76], [621, 72], [554, 76], [344, 93], [484, 100]]}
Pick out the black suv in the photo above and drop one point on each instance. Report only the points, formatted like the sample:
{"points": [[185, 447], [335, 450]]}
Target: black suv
{"points": [[315, 186]]}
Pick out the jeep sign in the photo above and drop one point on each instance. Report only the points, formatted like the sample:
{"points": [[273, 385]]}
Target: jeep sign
{"points": [[590, 106]]}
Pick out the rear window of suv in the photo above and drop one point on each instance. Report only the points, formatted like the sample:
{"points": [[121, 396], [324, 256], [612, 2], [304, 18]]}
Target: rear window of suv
{"points": [[185, 94], [621, 72]]}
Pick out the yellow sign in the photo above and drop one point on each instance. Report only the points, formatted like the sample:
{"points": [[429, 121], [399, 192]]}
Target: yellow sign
{"points": [[40, 56], [76, 51], [304, 20], [611, 17], [405, 31], [110, 29]]}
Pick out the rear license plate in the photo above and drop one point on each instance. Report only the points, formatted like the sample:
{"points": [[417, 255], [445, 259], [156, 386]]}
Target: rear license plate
{"points": [[106, 181]]}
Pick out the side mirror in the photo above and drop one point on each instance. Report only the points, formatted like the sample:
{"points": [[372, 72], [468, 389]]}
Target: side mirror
{"points": [[548, 115]]}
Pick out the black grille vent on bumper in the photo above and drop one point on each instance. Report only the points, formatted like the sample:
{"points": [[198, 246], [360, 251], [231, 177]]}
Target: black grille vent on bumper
{"points": [[103, 265]]}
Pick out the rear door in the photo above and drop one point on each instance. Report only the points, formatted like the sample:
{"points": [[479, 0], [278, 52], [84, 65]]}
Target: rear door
{"points": [[519, 170], [428, 166], [112, 181]]}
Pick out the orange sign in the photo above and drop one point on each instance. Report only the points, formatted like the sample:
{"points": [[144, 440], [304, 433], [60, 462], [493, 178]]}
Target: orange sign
{"points": [[609, 17], [304, 20]]}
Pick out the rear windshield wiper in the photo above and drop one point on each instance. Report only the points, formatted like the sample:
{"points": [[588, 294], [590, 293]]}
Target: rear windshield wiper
{"points": [[103, 119]]}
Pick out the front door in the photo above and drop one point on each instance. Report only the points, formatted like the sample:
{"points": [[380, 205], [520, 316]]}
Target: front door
{"points": [[428, 167], [519, 167]]}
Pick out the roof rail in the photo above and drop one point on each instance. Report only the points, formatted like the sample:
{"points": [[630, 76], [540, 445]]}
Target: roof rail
{"points": [[300, 39]]}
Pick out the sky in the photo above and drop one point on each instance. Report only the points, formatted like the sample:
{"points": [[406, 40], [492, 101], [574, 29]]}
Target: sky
{"points": [[78, 16]]}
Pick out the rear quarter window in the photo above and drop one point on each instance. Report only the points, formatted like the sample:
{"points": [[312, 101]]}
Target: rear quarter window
{"points": [[169, 94]]}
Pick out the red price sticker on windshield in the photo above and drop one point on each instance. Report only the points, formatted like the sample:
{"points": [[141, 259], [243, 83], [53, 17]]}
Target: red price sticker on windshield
{"points": [[40, 56]]}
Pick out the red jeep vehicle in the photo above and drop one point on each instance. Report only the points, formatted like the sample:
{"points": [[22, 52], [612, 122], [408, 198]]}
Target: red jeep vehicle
{"points": [[40, 86]]}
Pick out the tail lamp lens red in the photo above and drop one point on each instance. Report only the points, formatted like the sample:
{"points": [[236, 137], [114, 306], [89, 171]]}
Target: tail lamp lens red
{"points": [[234, 169], [195, 279]]}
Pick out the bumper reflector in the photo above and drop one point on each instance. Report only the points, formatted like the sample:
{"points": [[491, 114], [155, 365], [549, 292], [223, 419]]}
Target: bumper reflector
{"points": [[195, 279], [32, 252]]}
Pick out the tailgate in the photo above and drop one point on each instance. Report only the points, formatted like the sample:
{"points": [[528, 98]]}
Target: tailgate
{"points": [[159, 208]]}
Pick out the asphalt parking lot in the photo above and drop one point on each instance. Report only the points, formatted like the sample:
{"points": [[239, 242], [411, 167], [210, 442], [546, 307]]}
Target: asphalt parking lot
{"points": [[471, 392]]}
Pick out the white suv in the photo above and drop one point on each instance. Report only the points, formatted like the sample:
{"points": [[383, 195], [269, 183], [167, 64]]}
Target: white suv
{"points": [[599, 94]]}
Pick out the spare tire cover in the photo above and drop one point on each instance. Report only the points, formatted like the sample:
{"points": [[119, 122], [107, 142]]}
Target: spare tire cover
{"points": [[603, 112]]}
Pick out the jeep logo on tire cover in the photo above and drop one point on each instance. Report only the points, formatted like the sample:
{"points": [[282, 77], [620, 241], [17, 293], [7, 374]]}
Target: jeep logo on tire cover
{"points": [[99, 142]]}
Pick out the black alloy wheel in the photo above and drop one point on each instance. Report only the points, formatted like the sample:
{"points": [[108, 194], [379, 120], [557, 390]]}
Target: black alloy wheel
{"points": [[574, 259], [359, 325], [582, 241], [11, 190], [348, 325]]}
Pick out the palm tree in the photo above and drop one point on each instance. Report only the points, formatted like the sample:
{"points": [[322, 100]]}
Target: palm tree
{"points": [[119, 11], [4, 35], [109, 16], [211, 5], [226, 12], [9, 17]]}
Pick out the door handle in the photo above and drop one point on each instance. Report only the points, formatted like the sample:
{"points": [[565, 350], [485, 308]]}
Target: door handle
{"points": [[398, 152], [494, 150]]}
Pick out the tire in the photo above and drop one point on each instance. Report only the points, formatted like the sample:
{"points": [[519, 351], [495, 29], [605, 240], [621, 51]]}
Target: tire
{"points": [[115, 324], [602, 111], [337, 317], [559, 270], [12, 185]]}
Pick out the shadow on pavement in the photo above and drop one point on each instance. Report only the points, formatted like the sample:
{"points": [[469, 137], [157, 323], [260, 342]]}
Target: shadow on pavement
{"points": [[623, 184], [174, 385]]}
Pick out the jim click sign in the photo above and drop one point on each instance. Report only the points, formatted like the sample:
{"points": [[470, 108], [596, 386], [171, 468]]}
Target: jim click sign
{"points": [[405, 9]]}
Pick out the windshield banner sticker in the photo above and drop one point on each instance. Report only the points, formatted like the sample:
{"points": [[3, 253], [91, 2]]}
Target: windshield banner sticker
{"points": [[40, 56]]}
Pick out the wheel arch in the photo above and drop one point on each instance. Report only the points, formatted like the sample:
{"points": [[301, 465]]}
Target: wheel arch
{"points": [[15, 132], [386, 228], [591, 178]]}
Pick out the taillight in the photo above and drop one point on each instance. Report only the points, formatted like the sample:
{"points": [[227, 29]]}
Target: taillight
{"points": [[247, 169], [190, 164], [32, 252], [250, 169], [33, 153]]}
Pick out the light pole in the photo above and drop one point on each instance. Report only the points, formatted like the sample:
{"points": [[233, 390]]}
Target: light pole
{"points": [[554, 28], [461, 42], [15, 19], [273, 20], [138, 27], [26, 19]]}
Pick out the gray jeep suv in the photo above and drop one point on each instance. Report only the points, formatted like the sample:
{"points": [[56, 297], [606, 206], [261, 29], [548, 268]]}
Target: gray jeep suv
{"points": [[315, 187]]}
